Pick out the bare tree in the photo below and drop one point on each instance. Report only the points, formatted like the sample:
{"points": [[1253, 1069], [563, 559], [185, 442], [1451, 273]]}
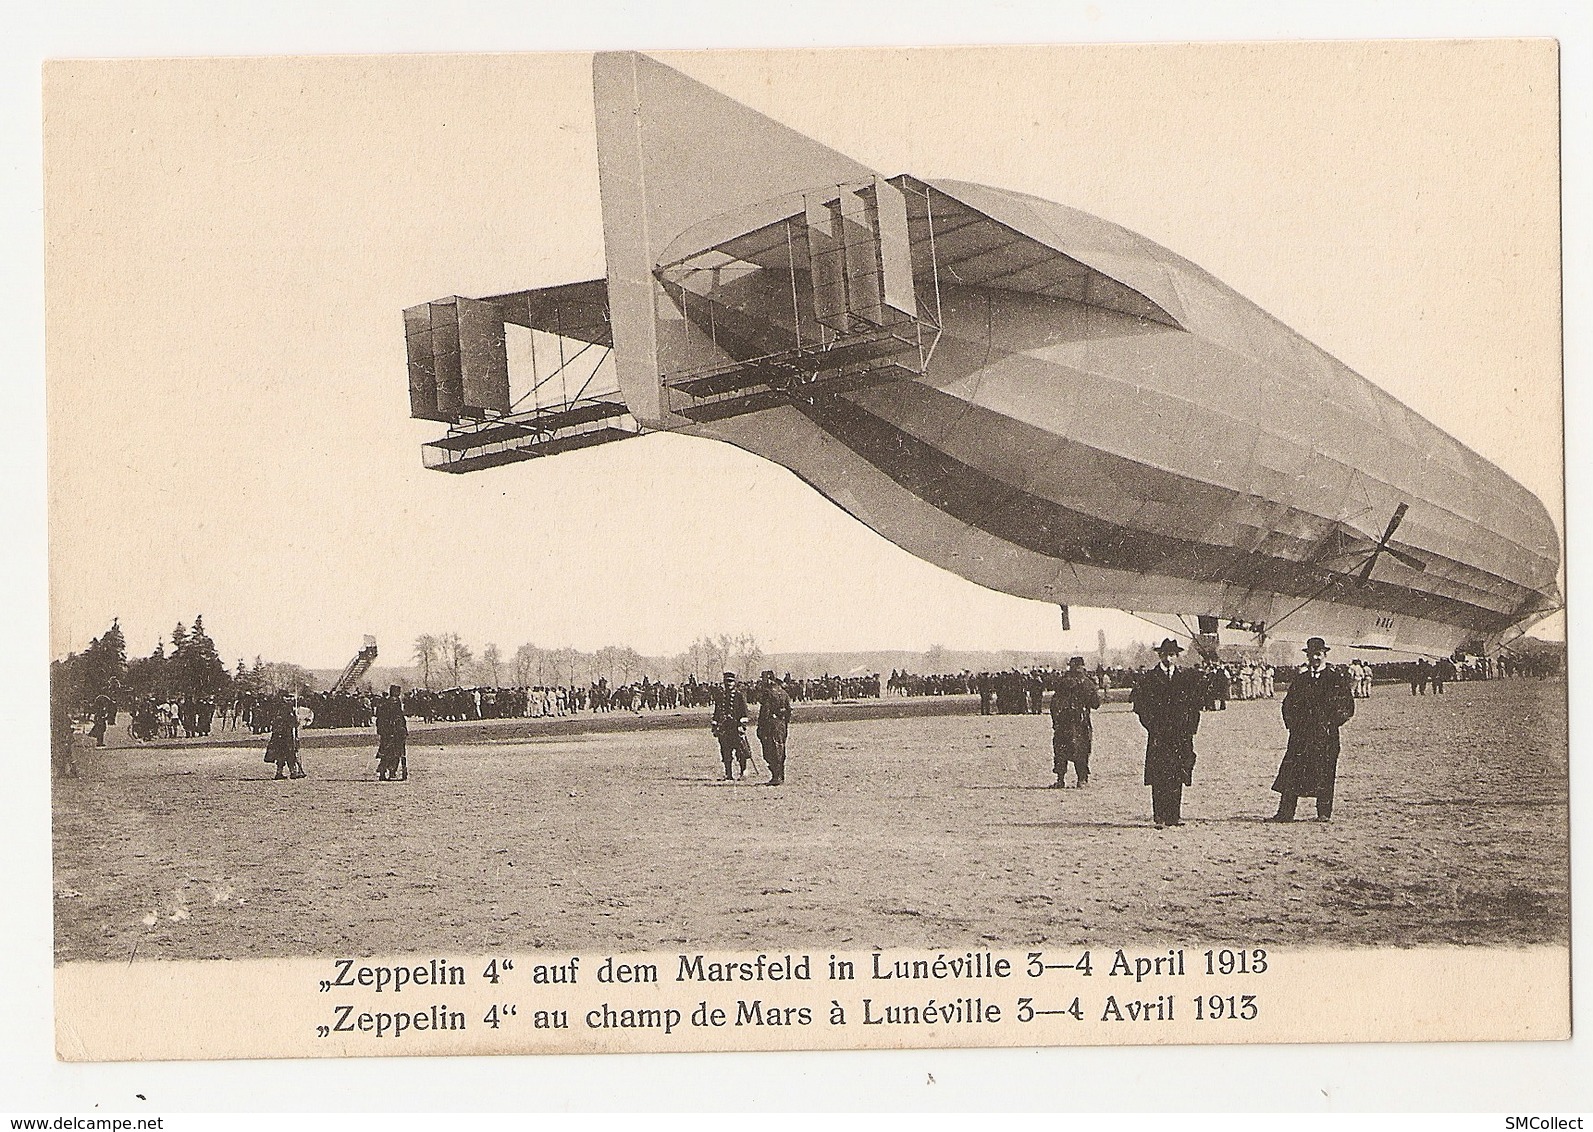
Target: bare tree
{"points": [[492, 663], [427, 650], [708, 656], [694, 661], [526, 666], [744, 655], [456, 656], [280, 676], [564, 664]]}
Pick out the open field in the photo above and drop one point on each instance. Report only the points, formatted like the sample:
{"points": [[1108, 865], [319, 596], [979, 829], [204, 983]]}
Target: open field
{"points": [[929, 830]]}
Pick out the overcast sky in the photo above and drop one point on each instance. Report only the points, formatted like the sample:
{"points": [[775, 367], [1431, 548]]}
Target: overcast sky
{"points": [[230, 244]]}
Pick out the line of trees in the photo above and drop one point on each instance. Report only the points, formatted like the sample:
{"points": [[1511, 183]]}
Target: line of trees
{"points": [[269, 678], [192, 668], [708, 657], [445, 661]]}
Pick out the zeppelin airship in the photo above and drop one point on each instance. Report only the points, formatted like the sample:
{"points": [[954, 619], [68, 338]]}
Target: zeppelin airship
{"points": [[1029, 396]]}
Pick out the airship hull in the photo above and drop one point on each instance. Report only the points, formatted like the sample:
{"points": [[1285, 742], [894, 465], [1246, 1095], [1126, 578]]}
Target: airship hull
{"points": [[1064, 453]]}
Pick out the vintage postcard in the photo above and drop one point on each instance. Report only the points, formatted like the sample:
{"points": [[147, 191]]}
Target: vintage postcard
{"points": [[806, 549]]}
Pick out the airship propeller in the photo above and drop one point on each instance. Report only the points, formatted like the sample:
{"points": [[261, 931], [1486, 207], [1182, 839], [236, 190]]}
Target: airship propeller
{"points": [[1383, 545]]}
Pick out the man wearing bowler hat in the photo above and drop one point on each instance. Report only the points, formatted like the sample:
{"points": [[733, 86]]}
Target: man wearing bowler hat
{"points": [[1167, 700], [1316, 705], [1071, 730]]}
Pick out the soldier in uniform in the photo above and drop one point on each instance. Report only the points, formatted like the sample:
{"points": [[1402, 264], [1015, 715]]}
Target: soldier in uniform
{"points": [[1316, 705], [1167, 700], [729, 725], [774, 721], [1071, 730], [392, 733]]}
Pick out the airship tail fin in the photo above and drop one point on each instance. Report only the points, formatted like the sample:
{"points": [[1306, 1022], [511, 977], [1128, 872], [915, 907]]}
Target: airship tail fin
{"points": [[671, 154]]}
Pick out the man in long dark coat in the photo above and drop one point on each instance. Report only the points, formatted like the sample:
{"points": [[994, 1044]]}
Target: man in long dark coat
{"points": [[104, 716], [729, 725], [1316, 705], [1167, 700], [1071, 731], [774, 722], [392, 737], [283, 747]]}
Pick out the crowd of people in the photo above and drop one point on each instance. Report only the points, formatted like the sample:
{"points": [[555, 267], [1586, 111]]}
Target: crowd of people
{"points": [[185, 717], [357, 709], [1021, 691], [1008, 692], [1423, 674]]}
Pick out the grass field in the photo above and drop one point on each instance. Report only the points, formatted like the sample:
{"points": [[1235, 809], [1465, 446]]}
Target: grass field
{"points": [[925, 830]]}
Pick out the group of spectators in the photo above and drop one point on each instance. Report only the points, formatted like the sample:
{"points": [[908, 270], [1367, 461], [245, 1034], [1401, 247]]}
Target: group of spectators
{"points": [[935, 684], [1012, 691], [357, 709], [1420, 674], [1021, 691], [1236, 680], [599, 696], [968, 682], [185, 717], [833, 687]]}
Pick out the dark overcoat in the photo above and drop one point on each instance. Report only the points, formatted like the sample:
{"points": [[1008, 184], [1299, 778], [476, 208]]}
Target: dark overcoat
{"points": [[730, 712], [392, 730], [1314, 708], [774, 713], [1169, 709], [283, 745], [1071, 728]]}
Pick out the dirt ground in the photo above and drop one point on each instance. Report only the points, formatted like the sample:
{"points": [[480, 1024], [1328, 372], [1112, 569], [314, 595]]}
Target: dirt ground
{"points": [[927, 831]]}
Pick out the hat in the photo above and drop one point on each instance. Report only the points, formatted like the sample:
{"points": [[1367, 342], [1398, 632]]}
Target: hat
{"points": [[1169, 646], [730, 675], [1076, 662], [766, 674], [1315, 644], [394, 689]]}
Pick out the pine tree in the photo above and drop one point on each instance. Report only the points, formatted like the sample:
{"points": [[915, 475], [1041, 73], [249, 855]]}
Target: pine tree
{"points": [[103, 664], [199, 668], [150, 675]]}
